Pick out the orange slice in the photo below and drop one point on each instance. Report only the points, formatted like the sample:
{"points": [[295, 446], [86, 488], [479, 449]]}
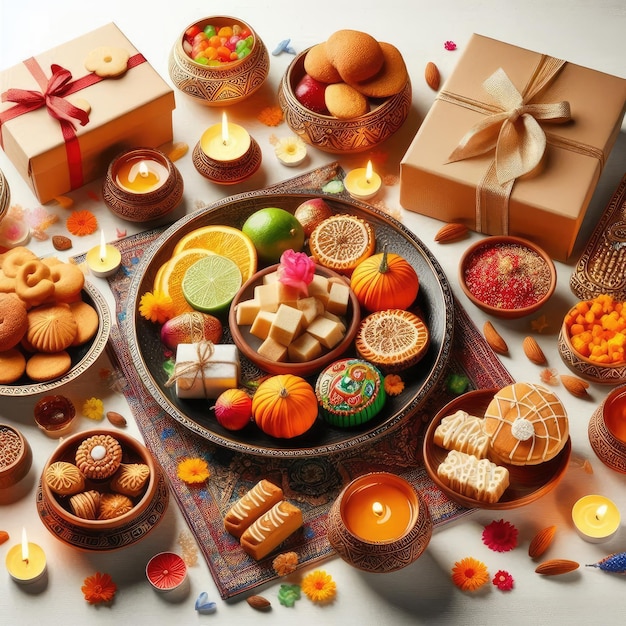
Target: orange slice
{"points": [[226, 241], [170, 276], [393, 339], [341, 242]]}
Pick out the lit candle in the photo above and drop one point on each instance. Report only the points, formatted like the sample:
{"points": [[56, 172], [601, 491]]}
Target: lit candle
{"points": [[26, 562], [167, 572], [379, 508], [103, 260], [226, 141], [362, 183], [140, 173], [596, 518]]}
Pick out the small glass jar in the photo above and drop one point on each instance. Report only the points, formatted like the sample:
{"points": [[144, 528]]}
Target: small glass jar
{"points": [[55, 415]]}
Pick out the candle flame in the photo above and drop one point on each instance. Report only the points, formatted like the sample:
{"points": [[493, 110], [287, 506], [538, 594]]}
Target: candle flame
{"points": [[601, 512], [24, 546], [377, 509], [144, 172], [225, 136], [103, 247], [369, 172]]}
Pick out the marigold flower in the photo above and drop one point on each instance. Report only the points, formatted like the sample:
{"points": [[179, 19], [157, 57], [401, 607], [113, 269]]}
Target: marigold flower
{"points": [[98, 588], [286, 563], [271, 116], [394, 385], [156, 307], [81, 223], [319, 586], [500, 536], [296, 269], [469, 574], [503, 580], [193, 470], [93, 408]]}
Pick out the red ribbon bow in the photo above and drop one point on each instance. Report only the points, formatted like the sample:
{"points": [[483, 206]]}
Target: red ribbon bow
{"points": [[52, 97]]}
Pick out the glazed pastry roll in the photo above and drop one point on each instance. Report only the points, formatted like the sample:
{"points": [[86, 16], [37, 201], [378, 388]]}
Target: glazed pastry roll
{"points": [[260, 499]]}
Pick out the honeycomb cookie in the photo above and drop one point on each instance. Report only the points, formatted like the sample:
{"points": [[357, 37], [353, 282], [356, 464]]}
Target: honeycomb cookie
{"points": [[42, 367], [12, 366], [107, 61], [345, 102], [356, 55], [99, 456]]}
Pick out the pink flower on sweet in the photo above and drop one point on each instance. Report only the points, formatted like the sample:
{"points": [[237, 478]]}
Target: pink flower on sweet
{"points": [[296, 269]]}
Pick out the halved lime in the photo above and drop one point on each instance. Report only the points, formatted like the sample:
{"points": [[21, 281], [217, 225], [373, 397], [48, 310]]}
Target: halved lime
{"points": [[210, 284]]}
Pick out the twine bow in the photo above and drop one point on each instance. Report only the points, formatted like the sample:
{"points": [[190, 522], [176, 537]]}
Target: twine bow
{"points": [[52, 97], [514, 132]]}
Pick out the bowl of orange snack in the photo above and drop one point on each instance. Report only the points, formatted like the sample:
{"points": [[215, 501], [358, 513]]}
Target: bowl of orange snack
{"points": [[592, 341]]}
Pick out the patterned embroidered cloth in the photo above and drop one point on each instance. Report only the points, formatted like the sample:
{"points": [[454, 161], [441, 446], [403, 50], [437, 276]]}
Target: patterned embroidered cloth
{"points": [[312, 483]]}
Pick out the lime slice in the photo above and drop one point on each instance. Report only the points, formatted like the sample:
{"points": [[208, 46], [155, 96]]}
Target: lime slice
{"points": [[210, 284]]}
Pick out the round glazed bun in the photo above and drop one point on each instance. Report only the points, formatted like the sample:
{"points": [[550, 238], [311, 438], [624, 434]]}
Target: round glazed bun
{"points": [[527, 425]]}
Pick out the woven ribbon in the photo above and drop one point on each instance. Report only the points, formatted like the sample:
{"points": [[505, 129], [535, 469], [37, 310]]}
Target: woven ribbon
{"points": [[53, 96], [511, 129]]}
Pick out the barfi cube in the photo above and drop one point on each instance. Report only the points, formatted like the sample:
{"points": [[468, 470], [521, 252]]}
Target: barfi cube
{"points": [[304, 349], [287, 324], [328, 332], [272, 350], [262, 323]]}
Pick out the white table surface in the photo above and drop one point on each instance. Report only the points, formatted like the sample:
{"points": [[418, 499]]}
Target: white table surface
{"points": [[586, 32]]}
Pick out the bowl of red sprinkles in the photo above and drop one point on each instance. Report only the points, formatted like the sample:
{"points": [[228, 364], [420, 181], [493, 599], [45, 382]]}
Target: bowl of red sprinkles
{"points": [[507, 276]]}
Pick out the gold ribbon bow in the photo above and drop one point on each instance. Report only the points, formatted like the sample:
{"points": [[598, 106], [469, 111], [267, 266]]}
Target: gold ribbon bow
{"points": [[514, 132]]}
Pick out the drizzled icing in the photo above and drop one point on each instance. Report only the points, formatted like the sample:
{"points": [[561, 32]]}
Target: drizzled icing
{"points": [[273, 519], [256, 497]]}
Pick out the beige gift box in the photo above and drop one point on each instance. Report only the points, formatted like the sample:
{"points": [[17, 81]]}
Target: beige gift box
{"points": [[129, 111], [546, 206]]}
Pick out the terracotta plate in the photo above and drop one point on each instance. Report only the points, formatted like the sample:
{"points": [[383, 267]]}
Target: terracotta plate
{"points": [[527, 483], [434, 300]]}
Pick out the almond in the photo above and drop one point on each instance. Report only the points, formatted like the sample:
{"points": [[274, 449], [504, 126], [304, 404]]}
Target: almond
{"points": [[541, 541], [116, 419], [451, 232], [533, 351], [432, 76], [554, 567], [576, 386], [4, 536], [259, 603], [494, 339], [61, 242]]}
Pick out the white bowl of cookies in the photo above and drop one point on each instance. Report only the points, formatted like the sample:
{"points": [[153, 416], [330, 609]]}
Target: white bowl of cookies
{"points": [[53, 323], [515, 438], [98, 482]]}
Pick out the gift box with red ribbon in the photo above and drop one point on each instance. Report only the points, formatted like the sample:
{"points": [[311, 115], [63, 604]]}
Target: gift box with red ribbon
{"points": [[514, 144], [67, 112]]}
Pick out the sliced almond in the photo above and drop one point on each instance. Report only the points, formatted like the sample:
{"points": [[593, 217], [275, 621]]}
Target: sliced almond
{"points": [[533, 351], [541, 541], [555, 567], [451, 232], [576, 386], [494, 339], [432, 75]]}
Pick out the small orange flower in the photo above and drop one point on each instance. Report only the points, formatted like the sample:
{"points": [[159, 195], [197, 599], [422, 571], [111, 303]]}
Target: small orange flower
{"points": [[156, 307], [319, 586], [394, 385], [285, 563], [98, 588], [271, 116], [81, 223], [193, 470], [469, 574]]}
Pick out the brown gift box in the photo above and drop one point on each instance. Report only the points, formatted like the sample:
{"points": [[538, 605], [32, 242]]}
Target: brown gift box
{"points": [[132, 110], [546, 207]]}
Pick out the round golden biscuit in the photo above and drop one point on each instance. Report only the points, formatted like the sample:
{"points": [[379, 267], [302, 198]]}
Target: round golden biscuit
{"points": [[107, 61], [12, 366], [318, 65], [33, 284], [68, 281], [130, 479], [99, 456], [51, 327], [345, 102], [44, 366], [13, 321], [113, 505], [64, 478], [390, 79], [356, 55], [13, 259], [87, 321]]}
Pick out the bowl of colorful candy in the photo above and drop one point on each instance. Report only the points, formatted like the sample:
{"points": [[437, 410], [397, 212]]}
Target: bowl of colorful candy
{"points": [[345, 112], [592, 341], [507, 277], [218, 61]]}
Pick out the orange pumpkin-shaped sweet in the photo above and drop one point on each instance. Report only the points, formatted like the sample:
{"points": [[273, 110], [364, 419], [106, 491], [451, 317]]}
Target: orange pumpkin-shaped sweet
{"points": [[284, 406], [385, 281]]}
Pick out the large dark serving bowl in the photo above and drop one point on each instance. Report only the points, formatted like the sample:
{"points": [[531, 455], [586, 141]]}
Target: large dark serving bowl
{"points": [[434, 301]]}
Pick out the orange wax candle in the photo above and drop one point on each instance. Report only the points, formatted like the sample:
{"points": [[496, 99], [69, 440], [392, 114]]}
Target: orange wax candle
{"points": [[362, 183], [379, 507], [226, 141], [614, 412], [141, 173], [596, 518], [26, 562]]}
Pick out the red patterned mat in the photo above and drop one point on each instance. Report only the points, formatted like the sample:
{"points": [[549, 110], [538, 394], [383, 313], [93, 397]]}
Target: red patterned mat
{"points": [[313, 482]]}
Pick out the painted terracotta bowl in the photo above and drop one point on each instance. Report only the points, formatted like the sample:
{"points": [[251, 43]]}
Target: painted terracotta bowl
{"points": [[507, 277]]}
